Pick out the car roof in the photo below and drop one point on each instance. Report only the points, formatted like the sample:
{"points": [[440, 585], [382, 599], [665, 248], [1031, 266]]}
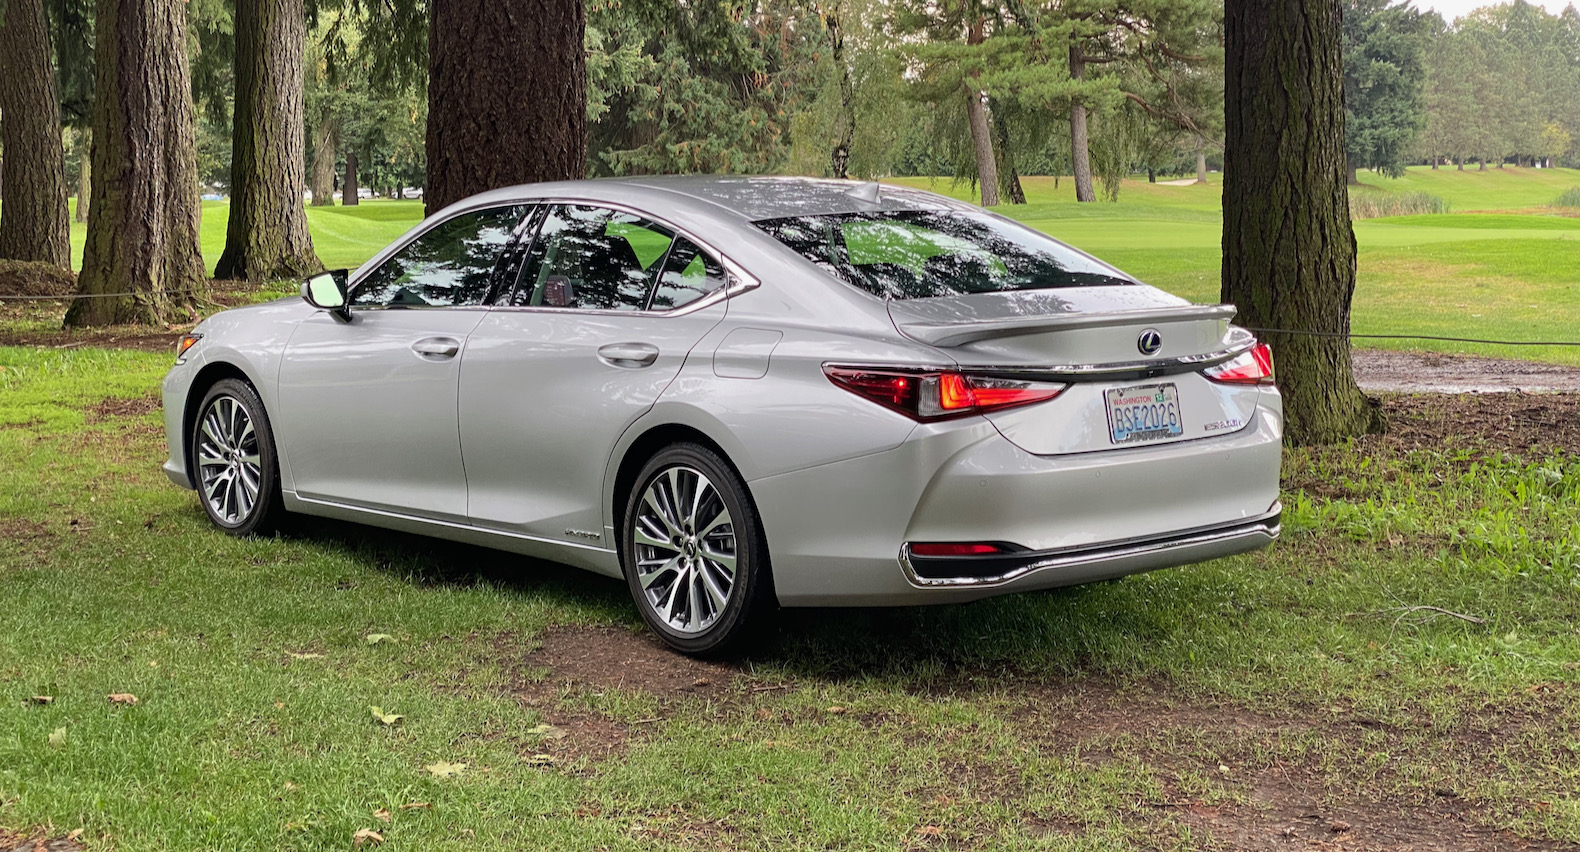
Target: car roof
{"points": [[749, 198]]}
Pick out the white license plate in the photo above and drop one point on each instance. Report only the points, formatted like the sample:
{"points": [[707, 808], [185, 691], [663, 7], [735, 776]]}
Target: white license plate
{"points": [[1144, 413]]}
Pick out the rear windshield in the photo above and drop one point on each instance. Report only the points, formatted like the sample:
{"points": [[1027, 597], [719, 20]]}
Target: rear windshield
{"points": [[921, 254]]}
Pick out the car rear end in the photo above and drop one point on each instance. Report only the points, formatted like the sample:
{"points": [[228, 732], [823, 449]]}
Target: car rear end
{"points": [[1063, 434]]}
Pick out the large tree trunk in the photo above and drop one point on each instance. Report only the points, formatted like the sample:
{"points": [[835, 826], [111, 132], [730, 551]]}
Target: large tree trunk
{"points": [[1008, 175], [1080, 147], [143, 219], [84, 173], [845, 119], [326, 141], [267, 235], [349, 190], [981, 134], [34, 221], [1201, 164], [507, 95], [1288, 245]]}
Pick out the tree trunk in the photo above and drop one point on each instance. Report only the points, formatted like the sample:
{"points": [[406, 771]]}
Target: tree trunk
{"points": [[143, 218], [1152, 175], [981, 134], [1459, 164], [1355, 173], [845, 119], [1288, 245], [504, 70], [34, 222], [1008, 175], [84, 173], [326, 141], [1482, 164], [1201, 164], [1080, 148], [349, 191], [267, 235]]}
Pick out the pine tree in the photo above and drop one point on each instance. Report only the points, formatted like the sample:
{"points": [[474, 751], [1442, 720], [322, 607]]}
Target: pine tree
{"points": [[33, 209]]}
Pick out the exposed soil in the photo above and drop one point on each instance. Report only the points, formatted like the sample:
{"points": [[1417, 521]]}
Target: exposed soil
{"points": [[120, 407], [1517, 423], [1383, 370], [17, 843], [23, 278], [111, 337]]}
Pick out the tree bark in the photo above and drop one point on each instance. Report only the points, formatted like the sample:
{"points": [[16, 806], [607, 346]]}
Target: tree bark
{"points": [[34, 222], [1008, 175], [267, 234], [84, 173], [507, 95], [326, 141], [349, 190], [981, 134], [143, 218], [1080, 147], [1201, 164], [1288, 244]]}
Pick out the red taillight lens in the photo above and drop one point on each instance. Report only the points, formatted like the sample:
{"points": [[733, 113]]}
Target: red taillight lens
{"points": [[951, 549], [935, 395], [1252, 367]]}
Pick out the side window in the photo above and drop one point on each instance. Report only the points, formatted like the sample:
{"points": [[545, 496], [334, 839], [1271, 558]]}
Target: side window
{"points": [[688, 275], [593, 258], [448, 266]]}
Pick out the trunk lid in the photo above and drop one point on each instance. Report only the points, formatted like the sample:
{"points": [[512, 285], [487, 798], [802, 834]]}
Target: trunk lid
{"points": [[1096, 339]]}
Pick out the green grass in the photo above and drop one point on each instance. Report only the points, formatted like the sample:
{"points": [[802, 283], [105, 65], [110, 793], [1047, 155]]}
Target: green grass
{"points": [[965, 721]]}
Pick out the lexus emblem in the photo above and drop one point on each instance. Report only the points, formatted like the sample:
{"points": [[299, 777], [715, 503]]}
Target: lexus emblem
{"points": [[1149, 342]]}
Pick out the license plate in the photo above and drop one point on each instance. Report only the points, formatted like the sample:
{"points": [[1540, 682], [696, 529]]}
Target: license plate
{"points": [[1144, 413]]}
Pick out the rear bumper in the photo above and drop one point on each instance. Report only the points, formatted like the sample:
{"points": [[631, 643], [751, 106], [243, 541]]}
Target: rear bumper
{"points": [[837, 533], [1073, 565]]}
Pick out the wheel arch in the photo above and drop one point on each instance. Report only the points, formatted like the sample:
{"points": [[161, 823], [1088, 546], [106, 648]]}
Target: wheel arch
{"points": [[644, 439], [211, 374]]}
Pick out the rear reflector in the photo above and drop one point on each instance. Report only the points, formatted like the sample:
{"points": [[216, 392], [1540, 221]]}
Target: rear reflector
{"points": [[953, 549], [937, 394], [1252, 367]]}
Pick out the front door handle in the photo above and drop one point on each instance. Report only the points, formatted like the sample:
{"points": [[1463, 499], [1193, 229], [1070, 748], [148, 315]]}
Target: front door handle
{"points": [[437, 348], [628, 355]]}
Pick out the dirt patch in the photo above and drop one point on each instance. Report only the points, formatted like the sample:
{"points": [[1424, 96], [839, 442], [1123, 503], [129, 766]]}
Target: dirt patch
{"points": [[1391, 370], [111, 337], [22, 278], [22, 529], [17, 843], [1516, 423], [135, 407]]}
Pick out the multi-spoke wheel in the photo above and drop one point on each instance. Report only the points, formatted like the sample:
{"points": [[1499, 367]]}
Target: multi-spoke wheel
{"points": [[232, 459], [693, 554]]}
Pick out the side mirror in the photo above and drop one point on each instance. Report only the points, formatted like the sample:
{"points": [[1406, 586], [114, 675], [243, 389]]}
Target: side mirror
{"points": [[327, 292]]}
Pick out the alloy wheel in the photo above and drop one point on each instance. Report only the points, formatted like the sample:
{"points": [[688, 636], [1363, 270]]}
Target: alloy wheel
{"points": [[230, 468], [685, 549]]}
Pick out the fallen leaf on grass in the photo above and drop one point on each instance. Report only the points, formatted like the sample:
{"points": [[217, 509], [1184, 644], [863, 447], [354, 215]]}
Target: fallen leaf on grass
{"points": [[72, 837], [123, 698], [547, 731], [384, 814], [542, 760], [41, 699], [445, 770], [57, 737], [375, 638], [836, 710], [296, 656], [363, 835], [385, 719], [413, 806], [930, 830]]}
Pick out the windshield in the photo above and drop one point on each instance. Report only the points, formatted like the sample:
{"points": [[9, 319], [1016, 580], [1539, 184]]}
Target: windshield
{"points": [[921, 254]]}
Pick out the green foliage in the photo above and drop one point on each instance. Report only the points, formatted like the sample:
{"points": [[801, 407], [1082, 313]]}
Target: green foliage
{"points": [[1569, 198], [1384, 47], [1374, 205]]}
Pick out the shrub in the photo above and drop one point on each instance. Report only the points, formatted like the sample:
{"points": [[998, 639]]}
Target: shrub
{"points": [[1372, 205], [1570, 198]]}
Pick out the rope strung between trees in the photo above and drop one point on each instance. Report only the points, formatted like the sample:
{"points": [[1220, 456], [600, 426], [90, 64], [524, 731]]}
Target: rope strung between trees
{"points": [[1326, 334]]}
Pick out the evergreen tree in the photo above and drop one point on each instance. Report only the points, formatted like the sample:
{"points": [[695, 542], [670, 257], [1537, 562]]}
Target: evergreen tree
{"points": [[33, 217], [1384, 69]]}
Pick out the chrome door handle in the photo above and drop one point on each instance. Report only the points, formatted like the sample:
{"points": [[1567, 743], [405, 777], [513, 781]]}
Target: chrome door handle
{"points": [[436, 347], [629, 355]]}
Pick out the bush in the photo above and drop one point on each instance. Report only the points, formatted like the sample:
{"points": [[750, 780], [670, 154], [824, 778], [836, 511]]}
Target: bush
{"points": [[1372, 205], [1570, 198]]}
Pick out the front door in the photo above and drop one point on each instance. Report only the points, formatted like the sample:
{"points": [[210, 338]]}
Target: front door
{"points": [[595, 330], [367, 408]]}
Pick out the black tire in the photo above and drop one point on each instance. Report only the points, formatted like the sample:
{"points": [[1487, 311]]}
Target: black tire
{"points": [[750, 594], [263, 512]]}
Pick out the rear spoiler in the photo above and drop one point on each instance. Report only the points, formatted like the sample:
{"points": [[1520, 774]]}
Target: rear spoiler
{"points": [[959, 333]]}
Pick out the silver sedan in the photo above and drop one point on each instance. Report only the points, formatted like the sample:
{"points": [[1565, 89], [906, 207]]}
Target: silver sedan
{"points": [[743, 392]]}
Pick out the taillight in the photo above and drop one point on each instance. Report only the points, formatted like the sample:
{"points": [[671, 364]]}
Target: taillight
{"points": [[955, 549], [937, 394], [1251, 367]]}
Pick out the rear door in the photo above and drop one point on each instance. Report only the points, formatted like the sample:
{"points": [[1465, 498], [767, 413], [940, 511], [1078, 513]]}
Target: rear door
{"points": [[607, 308], [367, 408]]}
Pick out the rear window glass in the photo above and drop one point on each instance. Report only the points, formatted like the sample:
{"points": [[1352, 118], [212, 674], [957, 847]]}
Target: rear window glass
{"points": [[922, 254]]}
